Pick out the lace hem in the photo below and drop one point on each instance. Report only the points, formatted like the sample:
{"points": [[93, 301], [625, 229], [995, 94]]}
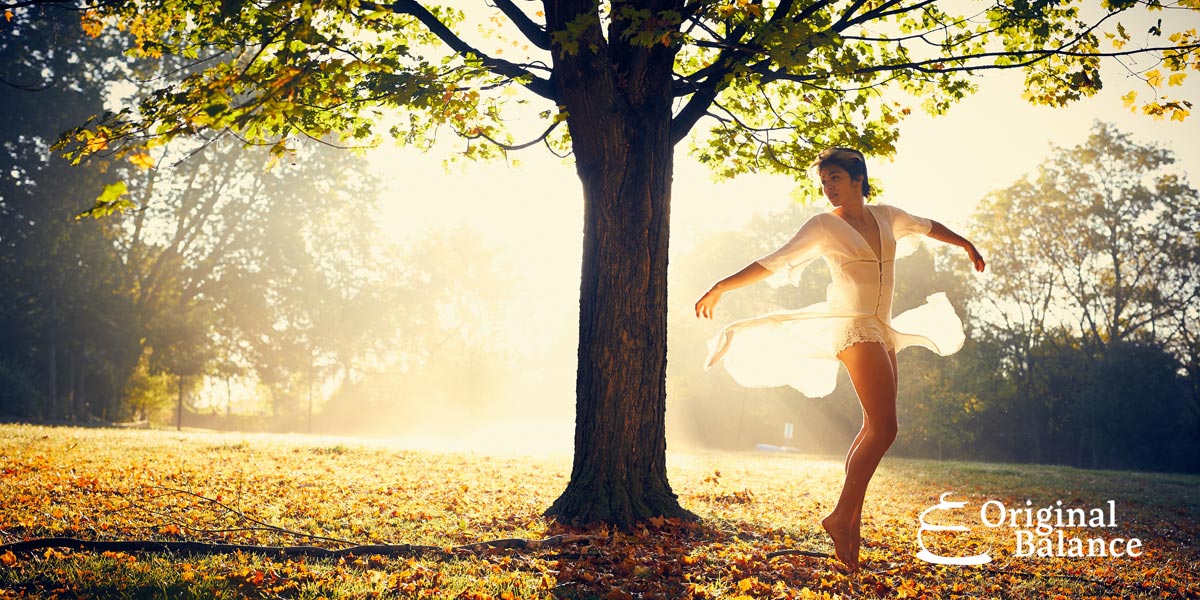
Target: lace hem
{"points": [[859, 331]]}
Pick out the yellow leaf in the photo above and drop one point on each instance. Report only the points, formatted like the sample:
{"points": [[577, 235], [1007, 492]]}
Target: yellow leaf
{"points": [[1180, 114], [1154, 78], [97, 143], [8, 558], [142, 160], [745, 584], [91, 23], [1176, 79], [1129, 99]]}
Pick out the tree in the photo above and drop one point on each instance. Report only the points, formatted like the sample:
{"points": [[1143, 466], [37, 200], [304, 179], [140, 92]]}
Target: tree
{"points": [[936, 402], [631, 80], [65, 319], [233, 269], [1097, 277], [1185, 339]]}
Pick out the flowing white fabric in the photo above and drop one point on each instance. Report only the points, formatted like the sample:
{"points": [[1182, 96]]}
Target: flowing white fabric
{"points": [[799, 347]]}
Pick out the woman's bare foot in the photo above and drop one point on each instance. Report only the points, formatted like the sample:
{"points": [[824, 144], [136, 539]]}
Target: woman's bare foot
{"points": [[845, 541]]}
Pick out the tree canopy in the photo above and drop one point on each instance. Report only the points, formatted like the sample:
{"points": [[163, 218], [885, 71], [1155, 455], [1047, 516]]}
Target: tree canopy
{"points": [[775, 79]]}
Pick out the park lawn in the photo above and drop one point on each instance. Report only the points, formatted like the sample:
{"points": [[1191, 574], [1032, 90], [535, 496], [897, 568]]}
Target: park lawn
{"points": [[100, 484]]}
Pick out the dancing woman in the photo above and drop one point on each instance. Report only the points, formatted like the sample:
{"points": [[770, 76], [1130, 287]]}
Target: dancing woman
{"points": [[854, 325]]}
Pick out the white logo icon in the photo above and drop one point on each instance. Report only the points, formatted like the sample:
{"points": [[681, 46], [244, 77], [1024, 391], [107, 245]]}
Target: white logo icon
{"points": [[927, 556]]}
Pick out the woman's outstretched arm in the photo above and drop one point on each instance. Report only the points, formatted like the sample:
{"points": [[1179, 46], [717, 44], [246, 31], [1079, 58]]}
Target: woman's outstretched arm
{"points": [[942, 233], [752, 273]]}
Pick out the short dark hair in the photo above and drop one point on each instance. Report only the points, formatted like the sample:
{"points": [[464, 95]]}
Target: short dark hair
{"points": [[849, 159]]}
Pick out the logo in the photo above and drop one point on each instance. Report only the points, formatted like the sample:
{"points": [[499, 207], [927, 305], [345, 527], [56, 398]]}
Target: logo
{"points": [[927, 556], [1042, 532]]}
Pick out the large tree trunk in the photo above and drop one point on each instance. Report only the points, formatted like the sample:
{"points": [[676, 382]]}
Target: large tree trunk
{"points": [[619, 114]]}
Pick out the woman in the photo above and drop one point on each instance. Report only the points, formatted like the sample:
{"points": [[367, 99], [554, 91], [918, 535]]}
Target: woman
{"points": [[802, 347]]}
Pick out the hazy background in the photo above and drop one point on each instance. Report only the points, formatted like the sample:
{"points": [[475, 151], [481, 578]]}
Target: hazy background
{"points": [[390, 295]]}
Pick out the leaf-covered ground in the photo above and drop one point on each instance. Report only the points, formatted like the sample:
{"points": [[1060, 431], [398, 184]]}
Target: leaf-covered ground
{"points": [[121, 485]]}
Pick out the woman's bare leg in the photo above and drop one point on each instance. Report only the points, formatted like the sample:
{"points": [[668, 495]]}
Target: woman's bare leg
{"points": [[872, 370], [863, 430]]}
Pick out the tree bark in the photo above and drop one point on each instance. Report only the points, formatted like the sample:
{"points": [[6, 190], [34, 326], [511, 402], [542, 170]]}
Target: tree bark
{"points": [[80, 394], [69, 408], [179, 407], [52, 371], [619, 114]]}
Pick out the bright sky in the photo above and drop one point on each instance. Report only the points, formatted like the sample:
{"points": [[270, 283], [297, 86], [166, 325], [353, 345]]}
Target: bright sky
{"points": [[944, 165]]}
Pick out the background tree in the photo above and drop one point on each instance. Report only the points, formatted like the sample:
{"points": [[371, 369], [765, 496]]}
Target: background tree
{"points": [[1184, 342], [1087, 298], [631, 80], [936, 404], [445, 308], [67, 324]]}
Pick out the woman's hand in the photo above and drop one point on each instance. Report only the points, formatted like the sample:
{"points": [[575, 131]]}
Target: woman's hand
{"points": [[976, 257], [942, 233], [749, 274], [706, 304]]}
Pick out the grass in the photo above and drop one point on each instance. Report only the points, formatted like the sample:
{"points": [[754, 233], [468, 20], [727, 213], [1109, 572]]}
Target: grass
{"points": [[119, 485]]}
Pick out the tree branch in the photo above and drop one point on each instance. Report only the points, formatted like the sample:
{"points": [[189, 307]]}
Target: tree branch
{"points": [[705, 92], [30, 87], [541, 87], [504, 146], [536, 34], [937, 65], [941, 28], [881, 11], [28, 3], [849, 14], [809, 10]]}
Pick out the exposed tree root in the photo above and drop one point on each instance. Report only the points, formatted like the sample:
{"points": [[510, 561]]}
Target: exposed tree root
{"points": [[771, 555], [185, 547], [196, 547]]}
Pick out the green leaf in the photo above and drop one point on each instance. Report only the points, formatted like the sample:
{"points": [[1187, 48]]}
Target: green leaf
{"points": [[112, 192], [114, 199]]}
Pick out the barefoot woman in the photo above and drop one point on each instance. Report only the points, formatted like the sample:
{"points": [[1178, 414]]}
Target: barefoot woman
{"points": [[854, 325]]}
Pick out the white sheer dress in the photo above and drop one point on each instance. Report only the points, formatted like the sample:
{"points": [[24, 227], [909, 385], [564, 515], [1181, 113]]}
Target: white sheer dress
{"points": [[800, 347]]}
